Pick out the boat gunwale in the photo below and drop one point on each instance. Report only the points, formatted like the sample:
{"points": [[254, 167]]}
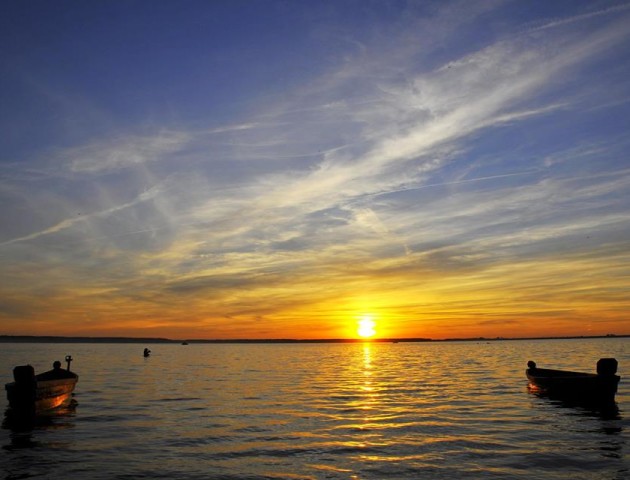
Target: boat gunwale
{"points": [[552, 373]]}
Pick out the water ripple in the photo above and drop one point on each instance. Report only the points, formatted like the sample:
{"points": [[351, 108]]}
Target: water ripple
{"points": [[404, 411]]}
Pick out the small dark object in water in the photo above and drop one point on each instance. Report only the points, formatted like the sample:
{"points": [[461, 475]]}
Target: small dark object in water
{"points": [[147, 352], [32, 394], [583, 387]]}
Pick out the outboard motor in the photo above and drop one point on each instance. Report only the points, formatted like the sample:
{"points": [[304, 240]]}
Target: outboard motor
{"points": [[606, 366], [24, 375], [25, 386]]}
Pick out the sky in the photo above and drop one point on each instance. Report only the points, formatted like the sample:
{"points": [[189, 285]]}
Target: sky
{"points": [[261, 169]]}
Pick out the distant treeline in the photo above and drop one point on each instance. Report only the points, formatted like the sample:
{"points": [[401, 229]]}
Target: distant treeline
{"points": [[56, 339]]}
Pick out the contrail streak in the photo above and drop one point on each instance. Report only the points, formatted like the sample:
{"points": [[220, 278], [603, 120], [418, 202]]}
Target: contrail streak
{"points": [[456, 182], [69, 222]]}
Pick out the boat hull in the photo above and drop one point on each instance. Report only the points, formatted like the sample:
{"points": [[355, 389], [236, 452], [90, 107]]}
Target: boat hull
{"points": [[582, 387], [41, 393]]}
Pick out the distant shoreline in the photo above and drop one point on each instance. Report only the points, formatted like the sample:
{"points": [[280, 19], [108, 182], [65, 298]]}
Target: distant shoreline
{"points": [[64, 339]]}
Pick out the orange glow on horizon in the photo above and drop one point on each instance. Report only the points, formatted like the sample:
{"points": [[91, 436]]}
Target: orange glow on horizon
{"points": [[508, 301]]}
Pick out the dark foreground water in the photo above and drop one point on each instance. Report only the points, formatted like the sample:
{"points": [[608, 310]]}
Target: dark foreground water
{"points": [[320, 411]]}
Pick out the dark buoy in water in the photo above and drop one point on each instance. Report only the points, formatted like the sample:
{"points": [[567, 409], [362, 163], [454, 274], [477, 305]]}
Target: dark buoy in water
{"points": [[147, 352]]}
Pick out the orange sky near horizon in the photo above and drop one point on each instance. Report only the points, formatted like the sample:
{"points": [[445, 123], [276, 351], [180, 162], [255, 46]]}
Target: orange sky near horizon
{"points": [[559, 297]]}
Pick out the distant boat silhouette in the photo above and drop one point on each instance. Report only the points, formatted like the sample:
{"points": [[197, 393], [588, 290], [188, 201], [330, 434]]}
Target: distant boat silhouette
{"points": [[584, 387], [184, 343]]}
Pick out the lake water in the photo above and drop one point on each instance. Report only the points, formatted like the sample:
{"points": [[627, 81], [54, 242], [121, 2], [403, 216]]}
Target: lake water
{"points": [[319, 411]]}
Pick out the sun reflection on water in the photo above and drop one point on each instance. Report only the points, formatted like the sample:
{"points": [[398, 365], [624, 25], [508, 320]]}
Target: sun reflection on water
{"points": [[367, 387]]}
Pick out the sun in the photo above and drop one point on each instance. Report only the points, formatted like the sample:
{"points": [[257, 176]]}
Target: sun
{"points": [[366, 327]]}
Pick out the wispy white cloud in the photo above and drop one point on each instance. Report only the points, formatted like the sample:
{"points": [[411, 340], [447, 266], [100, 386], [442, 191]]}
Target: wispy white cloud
{"points": [[477, 92], [422, 122], [123, 152]]}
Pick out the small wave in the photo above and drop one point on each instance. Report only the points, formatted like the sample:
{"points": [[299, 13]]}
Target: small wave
{"points": [[176, 399]]}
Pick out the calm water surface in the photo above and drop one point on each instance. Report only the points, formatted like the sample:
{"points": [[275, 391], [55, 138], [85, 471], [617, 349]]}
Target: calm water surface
{"points": [[319, 411]]}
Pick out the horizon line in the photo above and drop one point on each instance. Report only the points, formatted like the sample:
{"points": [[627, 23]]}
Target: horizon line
{"points": [[122, 339]]}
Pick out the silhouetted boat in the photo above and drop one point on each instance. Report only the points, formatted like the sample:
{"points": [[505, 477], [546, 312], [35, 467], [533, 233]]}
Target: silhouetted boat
{"points": [[599, 387], [32, 394]]}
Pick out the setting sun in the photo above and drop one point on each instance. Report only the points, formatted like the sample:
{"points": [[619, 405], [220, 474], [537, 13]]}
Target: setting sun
{"points": [[366, 327]]}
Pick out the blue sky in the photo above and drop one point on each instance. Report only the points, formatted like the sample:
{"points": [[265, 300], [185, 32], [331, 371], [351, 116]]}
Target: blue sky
{"points": [[262, 169]]}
